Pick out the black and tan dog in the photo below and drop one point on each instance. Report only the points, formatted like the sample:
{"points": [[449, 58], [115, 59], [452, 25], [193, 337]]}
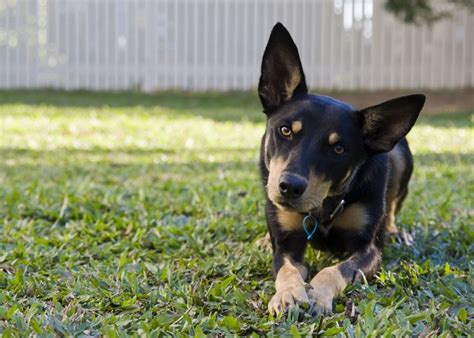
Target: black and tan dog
{"points": [[333, 177]]}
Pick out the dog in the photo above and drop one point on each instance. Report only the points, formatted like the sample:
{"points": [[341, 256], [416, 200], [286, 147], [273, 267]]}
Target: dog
{"points": [[334, 177]]}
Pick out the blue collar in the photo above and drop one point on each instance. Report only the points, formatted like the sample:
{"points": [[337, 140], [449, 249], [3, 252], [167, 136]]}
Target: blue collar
{"points": [[310, 218]]}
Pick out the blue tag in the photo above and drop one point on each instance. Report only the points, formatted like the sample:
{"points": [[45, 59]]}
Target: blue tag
{"points": [[310, 234]]}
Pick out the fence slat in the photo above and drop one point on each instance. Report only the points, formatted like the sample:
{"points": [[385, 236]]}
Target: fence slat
{"points": [[218, 44]]}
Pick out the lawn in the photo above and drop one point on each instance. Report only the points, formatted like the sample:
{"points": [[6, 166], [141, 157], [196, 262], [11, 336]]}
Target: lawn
{"points": [[126, 213]]}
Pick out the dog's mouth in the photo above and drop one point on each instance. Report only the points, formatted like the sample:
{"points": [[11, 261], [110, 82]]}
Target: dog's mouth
{"points": [[287, 205], [294, 207]]}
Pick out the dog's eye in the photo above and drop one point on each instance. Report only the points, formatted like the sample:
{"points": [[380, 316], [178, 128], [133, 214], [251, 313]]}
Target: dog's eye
{"points": [[338, 149], [285, 131]]}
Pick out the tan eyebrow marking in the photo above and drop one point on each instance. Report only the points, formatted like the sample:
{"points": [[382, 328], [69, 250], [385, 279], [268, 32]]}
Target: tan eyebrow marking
{"points": [[334, 138], [296, 126]]}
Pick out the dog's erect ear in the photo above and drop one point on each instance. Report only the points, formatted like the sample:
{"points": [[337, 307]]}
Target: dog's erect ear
{"points": [[387, 123], [282, 75]]}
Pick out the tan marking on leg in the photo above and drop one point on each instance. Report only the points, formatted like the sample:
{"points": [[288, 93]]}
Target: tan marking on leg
{"points": [[277, 165], [390, 220], [334, 138], [326, 285], [289, 220], [290, 288], [353, 217], [302, 270], [296, 127], [397, 167], [329, 282]]}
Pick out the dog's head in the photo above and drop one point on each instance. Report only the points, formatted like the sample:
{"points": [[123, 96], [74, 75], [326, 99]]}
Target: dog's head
{"points": [[314, 144]]}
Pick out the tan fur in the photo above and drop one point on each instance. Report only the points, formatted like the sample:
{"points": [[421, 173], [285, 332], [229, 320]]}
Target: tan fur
{"points": [[331, 278], [289, 220], [316, 192], [397, 167], [354, 217], [327, 284], [296, 127], [294, 81], [288, 276], [334, 138], [392, 228], [302, 270], [277, 165], [290, 287]]}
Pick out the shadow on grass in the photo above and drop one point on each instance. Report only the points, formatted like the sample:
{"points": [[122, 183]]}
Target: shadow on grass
{"points": [[127, 99], [242, 158], [232, 106], [443, 158], [424, 159], [125, 163], [71, 152]]}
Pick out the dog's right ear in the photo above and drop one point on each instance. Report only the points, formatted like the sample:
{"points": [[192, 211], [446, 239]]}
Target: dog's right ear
{"points": [[282, 75], [385, 124]]}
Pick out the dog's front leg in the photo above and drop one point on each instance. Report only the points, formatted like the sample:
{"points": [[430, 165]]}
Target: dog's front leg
{"points": [[290, 273], [330, 281]]}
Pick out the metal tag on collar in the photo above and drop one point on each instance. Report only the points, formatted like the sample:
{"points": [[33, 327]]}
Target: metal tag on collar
{"points": [[338, 209]]}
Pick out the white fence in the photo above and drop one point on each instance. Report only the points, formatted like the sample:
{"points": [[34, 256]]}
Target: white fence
{"points": [[218, 44]]}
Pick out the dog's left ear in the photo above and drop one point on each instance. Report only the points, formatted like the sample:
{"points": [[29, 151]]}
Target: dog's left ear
{"points": [[282, 75], [387, 123]]}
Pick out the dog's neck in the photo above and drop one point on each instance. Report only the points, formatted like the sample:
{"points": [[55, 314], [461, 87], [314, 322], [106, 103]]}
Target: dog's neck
{"points": [[334, 204], [330, 208]]}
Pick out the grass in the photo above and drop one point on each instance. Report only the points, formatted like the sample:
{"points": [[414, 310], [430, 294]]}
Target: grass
{"points": [[126, 213]]}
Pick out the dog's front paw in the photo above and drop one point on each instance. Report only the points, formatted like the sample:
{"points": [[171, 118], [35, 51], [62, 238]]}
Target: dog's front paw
{"points": [[320, 300], [287, 299], [325, 286]]}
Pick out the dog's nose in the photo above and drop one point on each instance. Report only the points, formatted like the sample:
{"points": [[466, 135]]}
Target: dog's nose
{"points": [[292, 185]]}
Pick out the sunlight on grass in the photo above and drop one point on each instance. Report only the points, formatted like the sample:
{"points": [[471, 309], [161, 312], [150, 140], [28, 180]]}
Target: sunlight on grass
{"points": [[427, 139]]}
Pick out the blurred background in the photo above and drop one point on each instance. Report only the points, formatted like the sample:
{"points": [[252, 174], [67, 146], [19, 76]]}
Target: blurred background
{"points": [[217, 44]]}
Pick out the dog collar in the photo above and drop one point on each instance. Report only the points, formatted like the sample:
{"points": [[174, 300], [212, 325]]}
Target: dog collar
{"points": [[310, 218]]}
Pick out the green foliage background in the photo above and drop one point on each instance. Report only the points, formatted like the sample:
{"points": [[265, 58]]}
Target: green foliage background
{"points": [[425, 11]]}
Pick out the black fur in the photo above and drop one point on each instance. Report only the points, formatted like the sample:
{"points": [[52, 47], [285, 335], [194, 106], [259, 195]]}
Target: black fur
{"points": [[368, 138]]}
